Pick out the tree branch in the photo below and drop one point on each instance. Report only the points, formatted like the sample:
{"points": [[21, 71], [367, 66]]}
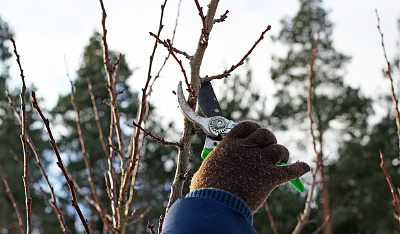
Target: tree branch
{"points": [[60, 164], [271, 219], [159, 140], [307, 208], [226, 73], [28, 199], [222, 18], [396, 202], [14, 202], [389, 75]]}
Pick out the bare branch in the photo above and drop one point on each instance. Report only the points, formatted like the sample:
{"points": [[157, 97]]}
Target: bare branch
{"points": [[28, 199], [159, 140], [396, 202], [85, 156], [165, 44], [14, 202], [150, 226], [222, 18], [195, 83], [201, 14], [271, 219], [141, 216], [96, 115], [70, 182], [307, 208], [320, 228], [160, 224], [227, 73], [389, 75]]}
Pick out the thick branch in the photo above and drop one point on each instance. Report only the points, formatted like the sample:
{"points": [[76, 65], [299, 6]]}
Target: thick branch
{"points": [[28, 199], [226, 73], [60, 164], [195, 64], [389, 75]]}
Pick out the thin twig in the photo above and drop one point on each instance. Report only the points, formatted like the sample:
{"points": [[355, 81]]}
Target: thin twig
{"points": [[60, 164], [320, 228], [96, 115], [271, 219], [150, 226], [53, 203], [159, 140], [141, 216], [85, 156], [129, 179], [222, 18], [201, 14], [165, 44], [396, 202], [14, 202], [226, 73], [307, 208], [28, 199], [389, 75]]}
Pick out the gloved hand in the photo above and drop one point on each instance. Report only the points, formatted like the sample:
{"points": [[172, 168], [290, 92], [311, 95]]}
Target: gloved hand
{"points": [[244, 163]]}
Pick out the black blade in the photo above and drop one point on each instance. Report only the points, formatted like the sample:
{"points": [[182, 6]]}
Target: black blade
{"points": [[208, 102]]}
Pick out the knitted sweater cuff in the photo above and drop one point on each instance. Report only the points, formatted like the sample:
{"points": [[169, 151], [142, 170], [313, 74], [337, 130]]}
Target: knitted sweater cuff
{"points": [[226, 198]]}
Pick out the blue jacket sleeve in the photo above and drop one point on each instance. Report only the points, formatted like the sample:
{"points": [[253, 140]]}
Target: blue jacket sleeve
{"points": [[207, 211]]}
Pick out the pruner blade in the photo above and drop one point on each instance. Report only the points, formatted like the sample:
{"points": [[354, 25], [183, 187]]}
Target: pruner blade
{"points": [[214, 127]]}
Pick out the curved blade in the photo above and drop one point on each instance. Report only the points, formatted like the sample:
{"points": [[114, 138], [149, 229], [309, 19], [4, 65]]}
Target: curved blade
{"points": [[208, 102], [189, 113]]}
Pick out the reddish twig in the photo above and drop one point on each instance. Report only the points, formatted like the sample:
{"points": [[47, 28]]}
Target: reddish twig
{"points": [[141, 216], [96, 115], [28, 199], [165, 44], [150, 226], [53, 203], [14, 202], [201, 14], [271, 219], [222, 18], [171, 51], [307, 208], [396, 202], [226, 73], [389, 75], [60, 164], [159, 140], [85, 156], [320, 228]]}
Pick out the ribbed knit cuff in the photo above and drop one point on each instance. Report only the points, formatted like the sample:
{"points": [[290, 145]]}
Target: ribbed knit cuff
{"points": [[226, 198]]}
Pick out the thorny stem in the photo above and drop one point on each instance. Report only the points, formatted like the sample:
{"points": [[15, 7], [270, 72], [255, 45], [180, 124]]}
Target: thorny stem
{"points": [[60, 164], [271, 219], [13, 201], [307, 208], [226, 73], [389, 75], [28, 199], [396, 202]]}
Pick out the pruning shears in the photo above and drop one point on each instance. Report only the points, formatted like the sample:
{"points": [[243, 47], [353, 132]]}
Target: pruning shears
{"points": [[214, 124]]}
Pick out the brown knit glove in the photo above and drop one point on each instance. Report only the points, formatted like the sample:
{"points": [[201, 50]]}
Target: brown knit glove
{"points": [[244, 163]]}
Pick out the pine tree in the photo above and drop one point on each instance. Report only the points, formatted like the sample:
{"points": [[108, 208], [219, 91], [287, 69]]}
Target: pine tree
{"points": [[337, 107]]}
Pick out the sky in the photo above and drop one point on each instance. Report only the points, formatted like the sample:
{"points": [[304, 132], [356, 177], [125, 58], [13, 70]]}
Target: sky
{"points": [[51, 35]]}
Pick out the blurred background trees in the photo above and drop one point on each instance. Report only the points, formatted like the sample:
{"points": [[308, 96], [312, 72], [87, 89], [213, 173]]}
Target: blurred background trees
{"points": [[356, 194]]}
